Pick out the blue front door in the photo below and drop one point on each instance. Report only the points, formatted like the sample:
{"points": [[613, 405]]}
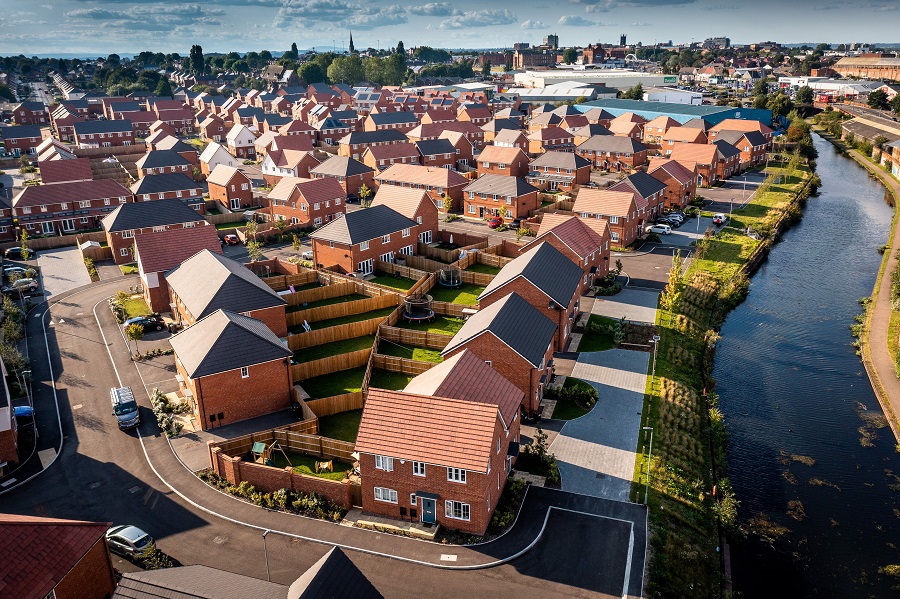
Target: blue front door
{"points": [[428, 516]]}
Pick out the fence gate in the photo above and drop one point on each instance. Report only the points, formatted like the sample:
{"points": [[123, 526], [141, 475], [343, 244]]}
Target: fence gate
{"points": [[356, 493]]}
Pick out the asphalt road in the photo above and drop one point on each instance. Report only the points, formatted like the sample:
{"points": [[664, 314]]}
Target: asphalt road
{"points": [[102, 475]]}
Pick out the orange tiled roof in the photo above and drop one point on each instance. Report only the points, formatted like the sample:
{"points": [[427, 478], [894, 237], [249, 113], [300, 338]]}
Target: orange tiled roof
{"points": [[684, 134], [601, 201], [572, 231], [741, 125], [422, 175], [405, 200], [500, 154], [386, 152], [700, 153]]}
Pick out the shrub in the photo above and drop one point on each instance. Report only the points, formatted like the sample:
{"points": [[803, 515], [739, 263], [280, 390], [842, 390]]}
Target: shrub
{"points": [[92, 270], [451, 217], [151, 558], [584, 395]]}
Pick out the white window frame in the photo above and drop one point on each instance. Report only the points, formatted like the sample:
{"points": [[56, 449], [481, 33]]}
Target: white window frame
{"points": [[457, 510], [456, 475], [363, 245], [245, 372], [418, 469], [384, 494], [405, 232], [383, 462]]}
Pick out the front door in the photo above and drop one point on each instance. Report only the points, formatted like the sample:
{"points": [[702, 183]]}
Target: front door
{"points": [[481, 212], [428, 516]]}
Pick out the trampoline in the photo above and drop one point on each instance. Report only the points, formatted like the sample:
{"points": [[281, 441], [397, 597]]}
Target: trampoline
{"points": [[417, 308], [450, 276]]}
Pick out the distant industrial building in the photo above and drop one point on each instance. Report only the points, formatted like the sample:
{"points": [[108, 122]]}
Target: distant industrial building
{"points": [[832, 87], [870, 66], [672, 95], [617, 78], [679, 112]]}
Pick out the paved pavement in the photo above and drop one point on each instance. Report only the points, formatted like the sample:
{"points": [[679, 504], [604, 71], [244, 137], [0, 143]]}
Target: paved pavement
{"points": [[636, 305], [596, 453], [62, 269], [734, 193]]}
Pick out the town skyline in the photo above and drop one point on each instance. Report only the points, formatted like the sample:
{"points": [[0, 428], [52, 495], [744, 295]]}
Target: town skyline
{"points": [[71, 26]]}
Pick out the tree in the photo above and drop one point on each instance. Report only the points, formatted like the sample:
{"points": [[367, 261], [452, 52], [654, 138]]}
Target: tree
{"points": [[895, 104], [281, 224], [134, 332], [254, 251], [569, 56], [196, 59], [878, 99], [374, 69], [779, 103], [401, 49], [251, 229], [164, 88], [365, 195], [265, 55], [23, 238], [346, 69], [394, 69], [113, 60], [294, 49], [804, 95], [671, 296], [761, 88], [447, 203], [635, 93], [486, 69], [311, 72]]}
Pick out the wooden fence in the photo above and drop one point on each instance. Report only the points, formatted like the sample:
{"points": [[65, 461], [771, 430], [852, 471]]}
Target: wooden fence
{"points": [[317, 294], [227, 218], [417, 338], [448, 309], [404, 271], [422, 263], [96, 253], [282, 282], [48, 243], [290, 441], [446, 256], [423, 284], [336, 333], [367, 377], [307, 370], [342, 309], [336, 404], [482, 279], [364, 287], [403, 365], [136, 148]]}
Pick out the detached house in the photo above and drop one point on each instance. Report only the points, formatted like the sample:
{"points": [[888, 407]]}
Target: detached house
{"points": [[63, 208], [492, 195], [214, 155], [353, 243], [559, 170], [230, 187], [743, 126], [511, 138], [680, 179], [751, 144], [618, 208], [498, 160], [212, 128], [514, 338], [584, 242], [23, 139], [649, 189], [233, 368], [241, 142], [308, 203], [414, 204], [550, 139], [613, 153], [438, 182], [711, 166], [133, 219], [30, 113], [438, 152], [170, 186], [103, 134], [447, 459], [548, 280], [681, 135], [207, 281], [354, 145], [655, 129], [628, 125], [349, 173], [287, 163]]}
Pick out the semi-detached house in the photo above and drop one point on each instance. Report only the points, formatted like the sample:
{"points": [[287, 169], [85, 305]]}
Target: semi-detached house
{"points": [[649, 189], [583, 241], [499, 160], [414, 204], [133, 219], [438, 182], [23, 139], [63, 208], [618, 208], [493, 195], [307, 202], [230, 187], [170, 186], [680, 179], [349, 173], [612, 152]]}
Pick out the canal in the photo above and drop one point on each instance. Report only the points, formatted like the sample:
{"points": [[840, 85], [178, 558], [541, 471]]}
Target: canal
{"points": [[809, 456]]}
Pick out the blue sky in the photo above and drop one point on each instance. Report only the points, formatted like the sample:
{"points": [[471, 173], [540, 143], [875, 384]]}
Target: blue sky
{"points": [[104, 26]]}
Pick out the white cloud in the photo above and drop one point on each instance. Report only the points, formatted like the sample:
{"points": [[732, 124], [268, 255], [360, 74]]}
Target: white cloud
{"points": [[576, 21], [434, 9], [532, 24], [479, 18]]}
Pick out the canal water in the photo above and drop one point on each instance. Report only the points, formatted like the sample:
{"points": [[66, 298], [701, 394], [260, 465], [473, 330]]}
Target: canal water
{"points": [[809, 456]]}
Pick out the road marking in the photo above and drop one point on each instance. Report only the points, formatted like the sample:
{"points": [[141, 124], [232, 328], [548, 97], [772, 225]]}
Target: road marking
{"points": [[47, 456], [77, 406], [38, 315], [7, 482], [448, 557], [79, 314]]}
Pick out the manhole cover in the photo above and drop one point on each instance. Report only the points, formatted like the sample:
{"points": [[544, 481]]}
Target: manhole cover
{"points": [[448, 557]]}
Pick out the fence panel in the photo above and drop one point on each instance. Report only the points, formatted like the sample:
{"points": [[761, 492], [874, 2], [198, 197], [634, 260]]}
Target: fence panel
{"points": [[481, 279], [336, 333], [308, 296], [336, 404], [306, 370], [448, 309], [417, 338], [404, 365], [438, 253], [97, 253], [424, 263], [404, 271], [353, 308]]}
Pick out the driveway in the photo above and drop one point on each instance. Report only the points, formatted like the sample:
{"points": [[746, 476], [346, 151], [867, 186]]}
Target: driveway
{"points": [[735, 192], [596, 452], [636, 305], [687, 233], [62, 269]]}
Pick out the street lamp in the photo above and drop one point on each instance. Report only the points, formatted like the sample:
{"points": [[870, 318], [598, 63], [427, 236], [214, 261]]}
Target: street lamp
{"points": [[267, 531], [649, 459], [655, 342]]}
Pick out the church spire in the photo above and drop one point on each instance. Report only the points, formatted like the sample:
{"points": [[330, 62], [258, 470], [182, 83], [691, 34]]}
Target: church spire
{"points": [[352, 49]]}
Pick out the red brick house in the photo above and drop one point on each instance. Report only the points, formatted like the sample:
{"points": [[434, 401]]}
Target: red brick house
{"points": [[438, 182], [499, 160], [382, 156], [598, 116], [22, 139], [62, 122], [681, 135], [628, 125], [741, 125], [350, 173], [494, 334], [550, 139], [230, 187], [494, 195], [355, 242], [30, 113], [650, 192], [712, 166], [241, 142], [583, 242], [612, 152], [287, 163], [400, 121], [545, 278], [159, 162], [438, 153], [656, 128], [133, 219], [170, 186], [208, 281], [751, 144], [63, 208], [354, 145], [544, 120], [510, 138], [308, 203], [414, 204], [559, 170], [212, 128], [233, 367], [465, 150], [680, 179], [477, 114], [582, 134], [61, 559], [161, 250], [618, 208], [454, 476], [103, 134]]}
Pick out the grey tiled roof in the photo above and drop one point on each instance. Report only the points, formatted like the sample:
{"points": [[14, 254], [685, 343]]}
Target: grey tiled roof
{"points": [[341, 166], [334, 575], [390, 118], [642, 183], [364, 225], [432, 147], [370, 137], [611, 143], [88, 127], [733, 137], [158, 158], [137, 215], [206, 282], [515, 322], [546, 268], [500, 185], [20, 131], [566, 160], [726, 149], [163, 183], [195, 582]]}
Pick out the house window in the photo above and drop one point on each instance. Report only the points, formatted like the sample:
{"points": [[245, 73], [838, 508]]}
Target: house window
{"points": [[122, 200], [412, 499], [84, 204], [317, 221], [418, 220], [303, 207], [159, 229], [418, 468], [471, 208], [244, 186], [316, 206], [178, 193], [383, 462], [84, 220], [123, 252], [63, 206], [161, 196], [613, 220], [405, 232], [614, 236], [245, 372], [127, 234], [456, 510], [387, 495], [106, 201], [386, 239], [26, 210], [456, 475], [364, 245]]}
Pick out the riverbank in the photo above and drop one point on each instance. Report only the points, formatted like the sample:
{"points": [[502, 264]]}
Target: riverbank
{"points": [[691, 503], [878, 347]]}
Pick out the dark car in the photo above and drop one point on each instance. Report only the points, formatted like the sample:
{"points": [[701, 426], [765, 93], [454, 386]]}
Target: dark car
{"points": [[495, 222], [15, 253], [153, 322], [19, 272], [352, 198]]}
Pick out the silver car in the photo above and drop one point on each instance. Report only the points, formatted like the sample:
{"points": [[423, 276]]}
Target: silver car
{"points": [[127, 540]]}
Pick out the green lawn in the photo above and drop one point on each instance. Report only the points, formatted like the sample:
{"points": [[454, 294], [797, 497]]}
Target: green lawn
{"points": [[394, 282], [306, 464], [724, 254], [327, 302], [446, 325], [401, 350], [466, 294], [343, 426], [385, 379], [597, 341], [336, 383], [333, 322], [313, 285], [483, 268], [234, 225], [567, 409], [336, 348], [135, 306], [128, 269]]}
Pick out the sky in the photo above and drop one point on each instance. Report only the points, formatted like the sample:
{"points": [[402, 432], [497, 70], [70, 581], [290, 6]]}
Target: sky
{"points": [[104, 26]]}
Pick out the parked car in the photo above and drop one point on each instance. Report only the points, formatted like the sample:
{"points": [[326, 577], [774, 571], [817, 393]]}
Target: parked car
{"points": [[127, 540], [674, 216], [22, 272], [352, 198], [659, 229], [15, 253], [719, 219], [23, 286], [232, 239], [670, 222], [307, 255], [153, 322], [495, 222]]}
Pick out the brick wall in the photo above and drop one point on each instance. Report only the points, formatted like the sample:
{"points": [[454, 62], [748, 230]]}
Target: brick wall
{"points": [[600, 261], [91, 578], [267, 390], [274, 318], [224, 194], [8, 447], [539, 300], [157, 298], [348, 257]]}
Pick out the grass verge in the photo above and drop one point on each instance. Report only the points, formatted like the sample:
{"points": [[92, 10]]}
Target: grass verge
{"points": [[135, 306], [410, 352], [306, 464], [445, 325], [597, 341], [483, 268], [401, 283]]}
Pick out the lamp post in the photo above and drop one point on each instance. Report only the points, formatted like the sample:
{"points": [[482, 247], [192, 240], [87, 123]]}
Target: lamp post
{"points": [[655, 342], [649, 459], [267, 531]]}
